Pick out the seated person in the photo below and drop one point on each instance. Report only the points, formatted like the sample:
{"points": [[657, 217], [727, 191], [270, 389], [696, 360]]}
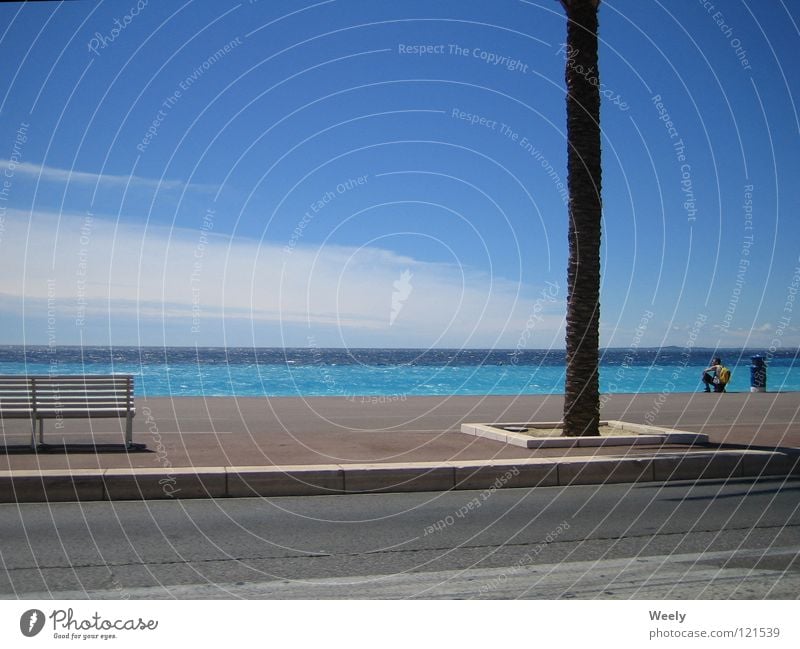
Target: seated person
{"points": [[711, 376]]}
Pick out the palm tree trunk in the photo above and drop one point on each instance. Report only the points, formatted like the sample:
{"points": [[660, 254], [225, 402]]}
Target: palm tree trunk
{"points": [[581, 389]]}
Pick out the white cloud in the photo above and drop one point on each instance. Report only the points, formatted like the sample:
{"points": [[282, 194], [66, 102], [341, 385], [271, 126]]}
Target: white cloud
{"points": [[55, 174], [110, 272]]}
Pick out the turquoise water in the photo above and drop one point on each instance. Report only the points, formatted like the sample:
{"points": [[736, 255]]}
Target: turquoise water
{"points": [[388, 374]]}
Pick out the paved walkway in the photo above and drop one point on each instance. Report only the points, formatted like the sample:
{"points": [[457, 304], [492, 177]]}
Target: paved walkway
{"points": [[231, 436]]}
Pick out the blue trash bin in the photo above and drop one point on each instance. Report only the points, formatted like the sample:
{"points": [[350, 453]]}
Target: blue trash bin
{"points": [[758, 374]]}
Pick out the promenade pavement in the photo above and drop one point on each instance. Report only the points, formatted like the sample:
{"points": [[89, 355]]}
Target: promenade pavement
{"points": [[219, 446]]}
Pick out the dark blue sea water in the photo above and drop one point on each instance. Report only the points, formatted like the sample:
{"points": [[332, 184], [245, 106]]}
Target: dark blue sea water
{"points": [[389, 373]]}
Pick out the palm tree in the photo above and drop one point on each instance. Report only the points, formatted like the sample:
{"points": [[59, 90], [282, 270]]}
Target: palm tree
{"points": [[581, 389]]}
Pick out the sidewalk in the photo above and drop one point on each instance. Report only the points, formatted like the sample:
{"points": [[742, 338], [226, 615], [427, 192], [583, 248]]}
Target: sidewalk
{"points": [[220, 447]]}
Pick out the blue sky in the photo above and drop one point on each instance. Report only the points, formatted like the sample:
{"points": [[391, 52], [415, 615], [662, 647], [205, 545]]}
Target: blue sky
{"points": [[391, 174]]}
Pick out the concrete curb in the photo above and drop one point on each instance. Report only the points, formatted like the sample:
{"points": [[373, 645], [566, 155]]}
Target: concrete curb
{"points": [[236, 482], [629, 435]]}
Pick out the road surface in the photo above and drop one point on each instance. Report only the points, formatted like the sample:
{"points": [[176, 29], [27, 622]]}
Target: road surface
{"points": [[716, 539]]}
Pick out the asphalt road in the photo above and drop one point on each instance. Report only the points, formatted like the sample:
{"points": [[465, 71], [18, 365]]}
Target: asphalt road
{"points": [[720, 539]]}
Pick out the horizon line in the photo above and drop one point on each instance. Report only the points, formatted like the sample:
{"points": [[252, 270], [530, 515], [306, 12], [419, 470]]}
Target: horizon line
{"points": [[490, 349]]}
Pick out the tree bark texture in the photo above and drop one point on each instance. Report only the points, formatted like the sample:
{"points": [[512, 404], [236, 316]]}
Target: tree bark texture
{"points": [[582, 395]]}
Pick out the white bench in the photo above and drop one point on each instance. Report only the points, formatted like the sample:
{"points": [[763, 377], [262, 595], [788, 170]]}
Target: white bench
{"points": [[67, 397]]}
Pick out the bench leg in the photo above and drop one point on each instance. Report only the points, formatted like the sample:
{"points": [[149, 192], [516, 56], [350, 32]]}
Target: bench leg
{"points": [[41, 430], [33, 433], [129, 431]]}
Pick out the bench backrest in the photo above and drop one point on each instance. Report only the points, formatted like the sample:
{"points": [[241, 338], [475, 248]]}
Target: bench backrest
{"points": [[16, 395], [68, 392]]}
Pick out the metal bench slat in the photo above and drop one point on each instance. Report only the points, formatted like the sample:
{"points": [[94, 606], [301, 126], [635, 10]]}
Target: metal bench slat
{"points": [[82, 390], [87, 413], [72, 395], [75, 387]]}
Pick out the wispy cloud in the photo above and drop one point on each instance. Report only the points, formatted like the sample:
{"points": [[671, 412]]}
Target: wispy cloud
{"points": [[58, 175], [101, 272]]}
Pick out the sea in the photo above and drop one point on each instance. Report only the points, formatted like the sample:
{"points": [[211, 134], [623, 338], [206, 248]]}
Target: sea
{"points": [[391, 374]]}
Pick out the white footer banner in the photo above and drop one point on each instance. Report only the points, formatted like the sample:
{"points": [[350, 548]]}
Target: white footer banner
{"points": [[401, 624]]}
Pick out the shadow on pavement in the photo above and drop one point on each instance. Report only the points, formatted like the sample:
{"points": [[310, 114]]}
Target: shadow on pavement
{"points": [[64, 449]]}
